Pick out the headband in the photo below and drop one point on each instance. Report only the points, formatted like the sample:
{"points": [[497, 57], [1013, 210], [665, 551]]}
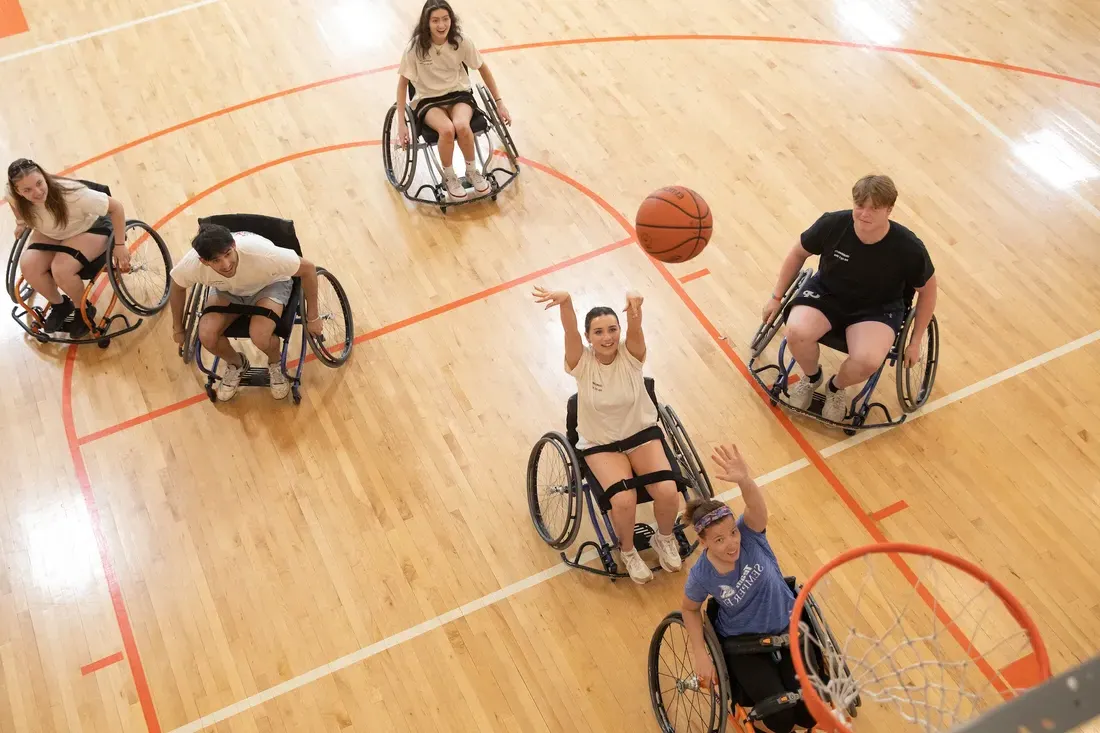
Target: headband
{"points": [[711, 517]]}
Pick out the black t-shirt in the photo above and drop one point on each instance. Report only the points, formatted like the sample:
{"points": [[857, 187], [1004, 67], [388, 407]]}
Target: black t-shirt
{"points": [[866, 275]]}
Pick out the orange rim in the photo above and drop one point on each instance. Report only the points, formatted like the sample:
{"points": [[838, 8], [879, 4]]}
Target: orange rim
{"points": [[823, 712]]}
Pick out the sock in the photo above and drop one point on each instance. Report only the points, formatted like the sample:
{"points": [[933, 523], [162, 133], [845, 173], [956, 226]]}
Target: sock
{"points": [[448, 170], [470, 164], [816, 377], [832, 387]]}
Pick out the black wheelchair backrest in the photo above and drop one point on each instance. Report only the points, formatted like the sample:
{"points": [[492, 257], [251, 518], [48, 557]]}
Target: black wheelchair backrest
{"points": [[571, 412], [95, 186], [279, 231]]}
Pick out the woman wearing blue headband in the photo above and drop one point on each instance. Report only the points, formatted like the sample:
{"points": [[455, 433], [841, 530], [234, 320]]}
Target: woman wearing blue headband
{"points": [[739, 570]]}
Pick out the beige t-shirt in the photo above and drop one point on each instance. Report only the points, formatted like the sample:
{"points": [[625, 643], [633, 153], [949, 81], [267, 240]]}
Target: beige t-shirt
{"points": [[612, 401], [84, 205], [440, 72], [260, 264]]}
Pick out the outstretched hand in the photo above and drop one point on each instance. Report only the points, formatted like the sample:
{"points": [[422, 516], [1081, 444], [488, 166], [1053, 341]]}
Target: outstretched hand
{"points": [[633, 304], [550, 297], [732, 465]]}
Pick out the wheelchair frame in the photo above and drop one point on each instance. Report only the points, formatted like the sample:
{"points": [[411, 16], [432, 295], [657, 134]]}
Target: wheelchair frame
{"points": [[683, 460], [730, 697], [32, 318], [436, 193], [910, 396], [281, 233]]}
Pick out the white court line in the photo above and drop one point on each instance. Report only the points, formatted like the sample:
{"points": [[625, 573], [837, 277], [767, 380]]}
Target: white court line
{"points": [[538, 578], [104, 31]]}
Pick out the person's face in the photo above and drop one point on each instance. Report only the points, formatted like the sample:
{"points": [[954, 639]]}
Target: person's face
{"points": [[603, 334], [722, 540], [870, 218], [440, 23], [226, 263], [32, 187]]}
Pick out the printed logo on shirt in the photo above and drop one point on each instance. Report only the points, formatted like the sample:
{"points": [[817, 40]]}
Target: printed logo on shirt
{"points": [[842, 256], [809, 294], [737, 594]]}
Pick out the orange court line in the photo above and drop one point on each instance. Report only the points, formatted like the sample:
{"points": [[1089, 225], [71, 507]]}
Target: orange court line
{"points": [[694, 275], [12, 20], [99, 664], [889, 511]]}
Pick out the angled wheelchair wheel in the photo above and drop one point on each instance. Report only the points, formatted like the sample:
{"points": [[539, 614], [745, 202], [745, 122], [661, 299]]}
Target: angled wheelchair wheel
{"points": [[499, 127], [196, 301], [144, 289], [684, 450], [11, 281], [769, 328], [554, 490], [680, 704], [333, 347], [400, 163], [915, 382]]}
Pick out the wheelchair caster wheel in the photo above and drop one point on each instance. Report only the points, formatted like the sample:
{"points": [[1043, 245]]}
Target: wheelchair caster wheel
{"points": [[295, 395], [211, 393], [103, 343]]}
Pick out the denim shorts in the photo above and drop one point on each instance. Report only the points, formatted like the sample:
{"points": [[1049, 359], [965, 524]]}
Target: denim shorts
{"points": [[279, 292]]}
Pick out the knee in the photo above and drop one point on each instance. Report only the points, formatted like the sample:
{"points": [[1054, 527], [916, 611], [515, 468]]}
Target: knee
{"points": [[865, 363], [800, 332], [263, 340], [446, 131], [63, 267], [462, 128], [208, 333], [664, 492], [624, 500]]}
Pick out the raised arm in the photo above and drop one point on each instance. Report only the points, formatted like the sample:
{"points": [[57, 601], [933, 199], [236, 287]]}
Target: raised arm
{"points": [[734, 469], [574, 347], [635, 337]]}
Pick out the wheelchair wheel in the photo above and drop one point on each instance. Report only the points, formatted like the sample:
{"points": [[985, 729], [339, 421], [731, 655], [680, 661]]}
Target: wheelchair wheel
{"points": [[679, 704], [498, 125], [685, 452], [554, 490], [400, 163], [915, 382], [144, 289], [196, 301], [12, 278], [769, 328], [333, 347]]}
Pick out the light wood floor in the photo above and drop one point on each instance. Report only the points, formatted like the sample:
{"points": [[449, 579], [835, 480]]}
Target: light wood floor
{"points": [[227, 550]]}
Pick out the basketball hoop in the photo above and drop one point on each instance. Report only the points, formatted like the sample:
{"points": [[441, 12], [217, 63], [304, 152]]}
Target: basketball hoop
{"points": [[914, 638]]}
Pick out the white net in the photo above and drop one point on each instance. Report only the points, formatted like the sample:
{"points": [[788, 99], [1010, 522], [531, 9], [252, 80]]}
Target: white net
{"points": [[915, 644]]}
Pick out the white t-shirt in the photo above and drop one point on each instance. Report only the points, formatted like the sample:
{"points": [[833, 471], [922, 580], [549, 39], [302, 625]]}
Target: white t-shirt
{"points": [[261, 264], [84, 205], [612, 401], [440, 72]]}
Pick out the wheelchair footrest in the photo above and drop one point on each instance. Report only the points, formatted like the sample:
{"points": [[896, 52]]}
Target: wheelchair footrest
{"points": [[643, 533], [256, 377], [816, 403]]}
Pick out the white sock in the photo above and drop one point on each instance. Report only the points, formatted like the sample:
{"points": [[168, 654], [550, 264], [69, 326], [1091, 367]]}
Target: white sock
{"points": [[470, 164], [448, 170]]}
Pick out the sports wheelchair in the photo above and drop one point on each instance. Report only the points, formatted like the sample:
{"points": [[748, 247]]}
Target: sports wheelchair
{"points": [[332, 348], [555, 457], [677, 696], [143, 290], [400, 163], [914, 383]]}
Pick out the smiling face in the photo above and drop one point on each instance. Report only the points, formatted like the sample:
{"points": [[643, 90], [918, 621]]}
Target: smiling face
{"points": [[32, 187], [603, 334], [440, 23], [225, 264], [722, 541], [871, 221]]}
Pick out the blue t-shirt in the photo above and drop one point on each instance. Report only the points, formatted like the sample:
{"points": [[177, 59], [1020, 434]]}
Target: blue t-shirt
{"points": [[754, 598]]}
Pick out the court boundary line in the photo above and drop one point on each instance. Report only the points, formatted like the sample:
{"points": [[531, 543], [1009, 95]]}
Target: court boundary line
{"points": [[535, 579], [104, 31]]}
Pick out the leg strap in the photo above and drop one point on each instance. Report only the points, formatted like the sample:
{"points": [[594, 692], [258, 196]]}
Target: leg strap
{"points": [[76, 254], [754, 644], [242, 310]]}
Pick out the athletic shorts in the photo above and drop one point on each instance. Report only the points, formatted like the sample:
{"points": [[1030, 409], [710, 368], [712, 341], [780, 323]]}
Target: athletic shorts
{"points": [[446, 100], [279, 292], [815, 295]]}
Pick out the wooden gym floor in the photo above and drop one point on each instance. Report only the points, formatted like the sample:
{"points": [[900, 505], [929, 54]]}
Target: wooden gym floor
{"points": [[365, 561]]}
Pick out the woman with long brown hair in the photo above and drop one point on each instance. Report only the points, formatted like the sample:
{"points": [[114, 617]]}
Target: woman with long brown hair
{"points": [[66, 213], [435, 62]]}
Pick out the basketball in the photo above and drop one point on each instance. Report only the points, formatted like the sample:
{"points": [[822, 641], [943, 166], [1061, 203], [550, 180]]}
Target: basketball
{"points": [[673, 224]]}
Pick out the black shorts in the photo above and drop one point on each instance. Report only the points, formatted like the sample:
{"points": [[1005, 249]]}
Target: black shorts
{"points": [[102, 226], [760, 676], [446, 100], [841, 315]]}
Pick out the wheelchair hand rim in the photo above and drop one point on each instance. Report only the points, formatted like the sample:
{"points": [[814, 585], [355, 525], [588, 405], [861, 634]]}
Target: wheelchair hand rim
{"points": [[826, 716]]}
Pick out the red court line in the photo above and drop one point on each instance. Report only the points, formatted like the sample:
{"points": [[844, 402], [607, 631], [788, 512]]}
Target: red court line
{"points": [[592, 40], [694, 275], [12, 20], [126, 631], [1024, 672], [99, 664], [891, 510]]}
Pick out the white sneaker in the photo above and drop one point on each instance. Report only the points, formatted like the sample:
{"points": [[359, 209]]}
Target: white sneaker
{"points": [[479, 181], [836, 405], [668, 551], [453, 185], [636, 566], [231, 380], [802, 394], [280, 385]]}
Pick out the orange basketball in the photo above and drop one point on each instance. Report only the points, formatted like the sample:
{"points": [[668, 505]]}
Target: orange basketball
{"points": [[673, 224]]}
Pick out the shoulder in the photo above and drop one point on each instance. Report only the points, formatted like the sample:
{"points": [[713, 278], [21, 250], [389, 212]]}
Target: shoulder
{"points": [[582, 363], [750, 534], [906, 236], [701, 570], [253, 242], [629, 359], [186, 268]]}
